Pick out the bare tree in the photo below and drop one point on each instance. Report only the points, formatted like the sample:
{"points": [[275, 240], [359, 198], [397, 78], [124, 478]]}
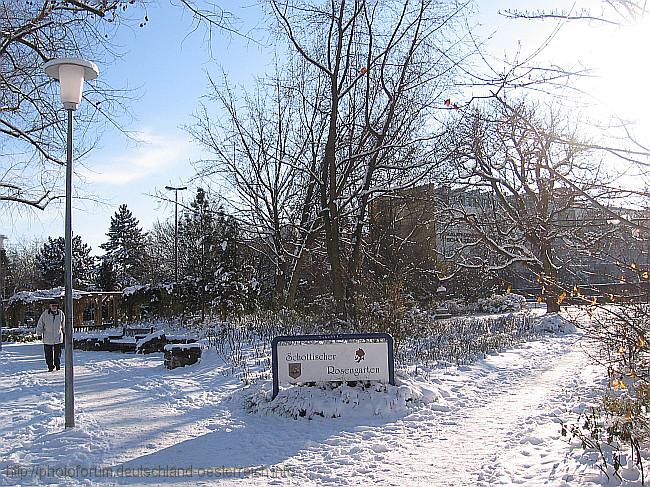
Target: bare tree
{"points": [[22, 259], [32, 128], [614, 12], [383, 70], [32, 139], [265, 148], [534, 182]]}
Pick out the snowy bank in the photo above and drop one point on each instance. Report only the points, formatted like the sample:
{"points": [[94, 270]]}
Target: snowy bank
{"points": [[340, 399], [553, 323]]}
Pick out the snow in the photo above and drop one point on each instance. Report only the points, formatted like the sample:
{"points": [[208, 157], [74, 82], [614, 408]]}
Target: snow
{"points": [[140, 288], [149, 337], [335, 400], [495, 421], [136, 288], [554, 323], [182, 346], [131, 340], [176, 337], [43, 295]]}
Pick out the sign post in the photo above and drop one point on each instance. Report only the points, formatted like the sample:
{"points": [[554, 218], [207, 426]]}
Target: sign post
{"points": [[326, 358]]}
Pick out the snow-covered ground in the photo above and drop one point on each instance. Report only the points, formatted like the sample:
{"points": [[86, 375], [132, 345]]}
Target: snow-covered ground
{"points": [[496, 421]]}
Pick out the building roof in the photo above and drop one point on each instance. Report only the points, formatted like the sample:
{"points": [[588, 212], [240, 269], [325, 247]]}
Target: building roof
{"points": [[41, 295]]}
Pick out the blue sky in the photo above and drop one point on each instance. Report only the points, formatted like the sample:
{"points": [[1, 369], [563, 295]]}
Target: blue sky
{"points": [[166, 64]]}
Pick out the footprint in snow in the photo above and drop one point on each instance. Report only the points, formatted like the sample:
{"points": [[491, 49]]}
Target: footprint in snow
{"points": [[378, 448], [533, 440]]}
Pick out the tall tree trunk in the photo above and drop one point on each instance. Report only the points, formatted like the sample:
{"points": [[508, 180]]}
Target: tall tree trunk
{"points": [[357, 242], [299, 263], [307, 236], [279, 293], [549, 280], [329, 196], [380, 139], [331, 224]]}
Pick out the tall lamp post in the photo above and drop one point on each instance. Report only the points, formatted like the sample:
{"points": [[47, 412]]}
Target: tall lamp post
{"points": [[3, 277], [71, 73], [176, 190]]}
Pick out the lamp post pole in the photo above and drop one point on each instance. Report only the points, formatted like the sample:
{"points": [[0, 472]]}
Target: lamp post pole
{"points": [[176, 190], [69, 326], [71, 73], [3, 274]]}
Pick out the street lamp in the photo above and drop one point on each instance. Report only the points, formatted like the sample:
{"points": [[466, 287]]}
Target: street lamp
{"points": [[71, 73], [176, 190]]}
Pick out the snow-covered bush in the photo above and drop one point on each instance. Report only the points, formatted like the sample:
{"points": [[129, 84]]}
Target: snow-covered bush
{"points": [[21, 334], [501, 303], [336, 399], [554, 323], [462, 340], [395, 313], [618, 429]]}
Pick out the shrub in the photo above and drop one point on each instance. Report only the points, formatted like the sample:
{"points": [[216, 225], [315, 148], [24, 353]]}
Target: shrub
{"points": [[497, 303], [619, 425]]}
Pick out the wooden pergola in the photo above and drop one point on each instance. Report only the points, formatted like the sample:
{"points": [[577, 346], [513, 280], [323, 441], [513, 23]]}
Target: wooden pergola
{"points": [[92, 309]]}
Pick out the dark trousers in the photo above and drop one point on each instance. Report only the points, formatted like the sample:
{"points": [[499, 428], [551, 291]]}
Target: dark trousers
{"points": [[53, 355]]}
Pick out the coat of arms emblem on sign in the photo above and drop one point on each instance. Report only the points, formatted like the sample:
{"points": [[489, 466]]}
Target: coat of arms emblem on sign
{"points": [[295, 370]]}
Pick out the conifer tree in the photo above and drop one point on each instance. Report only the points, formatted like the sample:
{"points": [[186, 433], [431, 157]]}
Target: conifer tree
{"points": [[196, 245], [50, 263], [160, 249], [7, 284], [231, 286], [125, 250], [106, 279], [211, 267], [22, 261]]}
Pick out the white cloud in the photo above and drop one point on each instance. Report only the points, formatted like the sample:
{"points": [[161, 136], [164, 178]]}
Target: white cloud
{"points": [[155, 154]]}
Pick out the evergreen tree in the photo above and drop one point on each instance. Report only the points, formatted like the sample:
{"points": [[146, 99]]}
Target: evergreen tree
{"points": [[233, 290], [106, 279], [125, 250], [22, 258], [160, 249], [211, 268], [196, 245], [50, 263], [7, 284]]}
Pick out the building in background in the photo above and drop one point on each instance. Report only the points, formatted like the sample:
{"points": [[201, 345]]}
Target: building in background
{"points": [[423, 233]]}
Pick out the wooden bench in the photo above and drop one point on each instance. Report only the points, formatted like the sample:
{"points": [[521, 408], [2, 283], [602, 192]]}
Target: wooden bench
{"points": [[132, 340], [125, 342]]}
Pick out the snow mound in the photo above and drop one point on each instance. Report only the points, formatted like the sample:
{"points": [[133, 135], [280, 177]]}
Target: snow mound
{"points": [[336, 399], [553, 323], [149, 337]]}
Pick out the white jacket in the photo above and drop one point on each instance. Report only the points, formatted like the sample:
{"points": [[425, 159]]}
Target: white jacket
{"points": [[51, 327]]}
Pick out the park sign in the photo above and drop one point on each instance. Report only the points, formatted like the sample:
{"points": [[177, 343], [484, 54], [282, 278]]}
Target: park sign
{"points": [[332, 358]]}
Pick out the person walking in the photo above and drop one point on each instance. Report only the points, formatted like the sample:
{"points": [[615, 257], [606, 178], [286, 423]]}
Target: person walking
{"points": [[50, 326]]}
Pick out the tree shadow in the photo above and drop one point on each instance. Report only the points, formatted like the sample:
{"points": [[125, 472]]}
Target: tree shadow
{"points": [[250, 447]]}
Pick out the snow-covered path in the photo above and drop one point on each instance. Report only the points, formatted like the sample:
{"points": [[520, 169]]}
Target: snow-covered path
{"points": [[503, 416], [499, 424]]}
